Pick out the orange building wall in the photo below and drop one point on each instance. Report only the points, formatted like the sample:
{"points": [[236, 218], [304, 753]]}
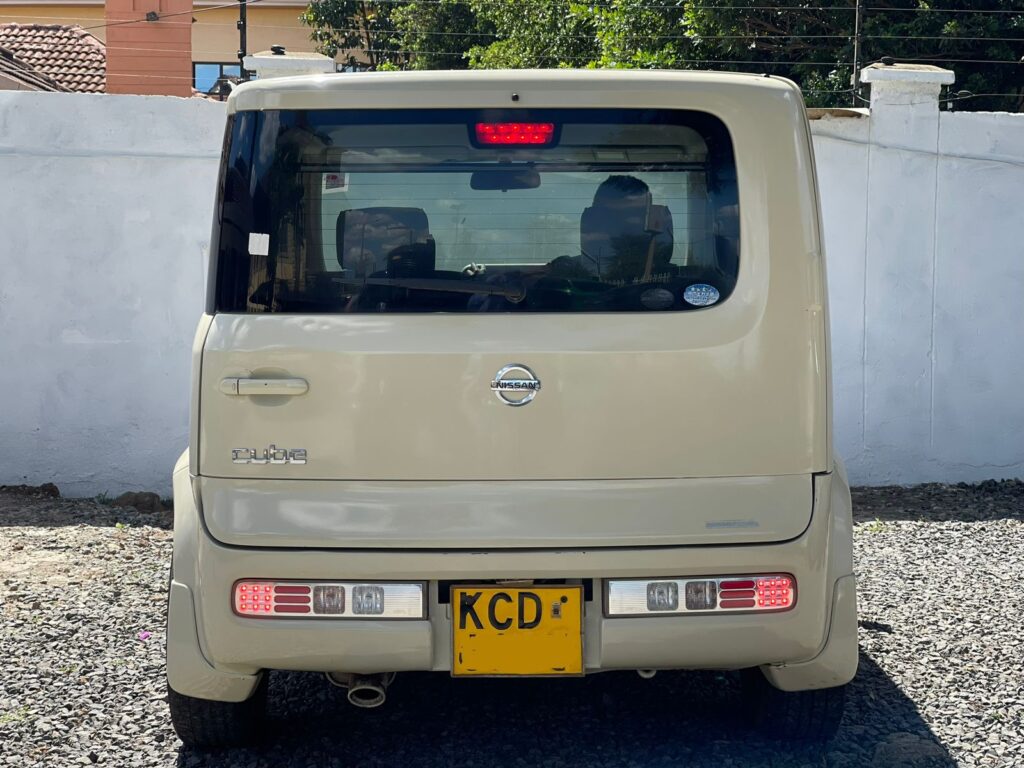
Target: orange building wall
{"points": [[82, 15], [149, 57], [214, 34], [215, 37]]}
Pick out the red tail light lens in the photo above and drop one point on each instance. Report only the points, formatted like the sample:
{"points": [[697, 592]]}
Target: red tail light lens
{"points": [[254, 598], [515, 134], [774, 592], [709, 594], [311, 600]]}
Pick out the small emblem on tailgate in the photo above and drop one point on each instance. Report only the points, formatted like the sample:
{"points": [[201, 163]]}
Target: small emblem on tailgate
{"points": [[269, 455], [515, 384]]}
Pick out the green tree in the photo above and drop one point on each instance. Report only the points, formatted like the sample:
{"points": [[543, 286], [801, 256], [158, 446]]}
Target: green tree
{"points": [[810, 42], [533, 33], [641, 34], [981, 40], [361, 30], [438, 34], [814, 43]]}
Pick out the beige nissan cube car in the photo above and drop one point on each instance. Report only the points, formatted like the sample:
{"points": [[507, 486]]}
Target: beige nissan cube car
{"points": [[512, 374]]}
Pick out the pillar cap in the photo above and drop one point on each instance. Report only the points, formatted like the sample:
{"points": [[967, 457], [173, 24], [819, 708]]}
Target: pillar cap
{"points": [[273, 64], [907, 73]]}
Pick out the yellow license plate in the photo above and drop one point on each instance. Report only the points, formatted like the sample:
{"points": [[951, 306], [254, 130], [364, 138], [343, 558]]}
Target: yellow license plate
{"points": [[517, 630]]}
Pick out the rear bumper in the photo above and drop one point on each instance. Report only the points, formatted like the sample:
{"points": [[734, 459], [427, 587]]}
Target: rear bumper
{"points": [[213, 653]]}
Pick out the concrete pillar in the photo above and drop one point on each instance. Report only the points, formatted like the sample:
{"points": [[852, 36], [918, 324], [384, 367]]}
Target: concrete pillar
{"points": [[280, 63], [149, 56], [900, 266]]}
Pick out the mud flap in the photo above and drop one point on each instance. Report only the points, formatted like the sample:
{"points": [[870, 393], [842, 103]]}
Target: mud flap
{"points": [[837, 662], [188, 671]]}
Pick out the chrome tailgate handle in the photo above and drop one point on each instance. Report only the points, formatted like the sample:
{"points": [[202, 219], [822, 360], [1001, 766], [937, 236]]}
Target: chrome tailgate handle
{"points": [[248, 387]]}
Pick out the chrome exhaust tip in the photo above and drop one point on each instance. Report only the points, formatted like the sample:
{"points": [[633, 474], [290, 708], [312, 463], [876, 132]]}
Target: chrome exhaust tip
{"points": [[647, 674], [364, 691]]}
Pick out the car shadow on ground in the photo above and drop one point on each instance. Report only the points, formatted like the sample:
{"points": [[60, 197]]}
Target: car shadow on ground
{"points": [[613, 719]]}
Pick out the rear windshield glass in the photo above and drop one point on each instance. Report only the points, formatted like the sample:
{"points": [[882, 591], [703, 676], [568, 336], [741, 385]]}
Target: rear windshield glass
{"points": [[476, 211]]}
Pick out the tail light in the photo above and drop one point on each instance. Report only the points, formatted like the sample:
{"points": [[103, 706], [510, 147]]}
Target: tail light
{"points": [[708, 594], [334, 599]]}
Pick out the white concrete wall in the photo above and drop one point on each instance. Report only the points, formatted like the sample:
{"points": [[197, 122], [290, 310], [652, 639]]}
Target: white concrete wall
{"points": [[977, 320], [925, 240], [105, 209], [105, 203]]}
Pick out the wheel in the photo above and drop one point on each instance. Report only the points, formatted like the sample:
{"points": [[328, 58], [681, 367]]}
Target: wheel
{"points": [[205, 724], [810, 716]]}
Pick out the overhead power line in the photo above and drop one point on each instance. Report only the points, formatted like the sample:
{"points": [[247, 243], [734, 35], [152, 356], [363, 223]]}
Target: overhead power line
{"points": [[941, 60], [963, 95], [889, 9], [171, 15], [756, 63], [709, 61], [762, 7], [695, 37], [495, 36], [659, 6]]}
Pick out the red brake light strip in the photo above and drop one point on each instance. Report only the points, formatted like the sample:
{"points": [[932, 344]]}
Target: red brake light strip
{"points": [[515, 134]]}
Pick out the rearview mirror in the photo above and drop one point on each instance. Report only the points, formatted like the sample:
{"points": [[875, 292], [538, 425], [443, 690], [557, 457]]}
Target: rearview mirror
{"points": [[505, 179]]}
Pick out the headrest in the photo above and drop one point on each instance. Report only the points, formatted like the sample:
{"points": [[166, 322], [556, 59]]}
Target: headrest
{"points": [[615, 238], [391, 240]]}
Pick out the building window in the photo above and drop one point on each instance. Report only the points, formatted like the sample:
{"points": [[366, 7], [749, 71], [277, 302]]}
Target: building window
{"points": [[212, 78]]}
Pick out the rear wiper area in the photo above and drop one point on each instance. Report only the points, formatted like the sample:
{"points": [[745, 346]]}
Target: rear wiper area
{"points": [[445, 285]]}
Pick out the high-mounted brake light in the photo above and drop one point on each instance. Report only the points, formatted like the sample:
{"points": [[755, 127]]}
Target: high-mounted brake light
{"points": [[515, 134]]}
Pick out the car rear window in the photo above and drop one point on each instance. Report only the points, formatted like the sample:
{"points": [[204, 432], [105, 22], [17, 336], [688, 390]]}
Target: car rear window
{"points": [[475, 211]]}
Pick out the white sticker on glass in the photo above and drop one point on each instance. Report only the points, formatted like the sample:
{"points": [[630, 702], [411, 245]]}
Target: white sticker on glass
{"points": [[335, 182], [259, 244]]}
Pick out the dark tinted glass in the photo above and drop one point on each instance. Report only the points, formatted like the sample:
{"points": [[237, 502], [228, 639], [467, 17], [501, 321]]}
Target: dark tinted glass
{"points": [[409, 211]]}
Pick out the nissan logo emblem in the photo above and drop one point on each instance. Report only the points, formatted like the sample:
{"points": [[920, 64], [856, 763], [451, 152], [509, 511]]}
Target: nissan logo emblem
{"points": [[515, 384]]}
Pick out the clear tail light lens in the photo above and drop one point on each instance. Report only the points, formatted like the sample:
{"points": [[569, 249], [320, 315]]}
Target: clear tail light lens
{"points": [[662, 596], [329, 599], [335, 599], [705, 594], [701, 595], [368, 600]]}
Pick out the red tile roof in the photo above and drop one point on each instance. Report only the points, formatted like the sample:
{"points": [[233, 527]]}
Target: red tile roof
{"points": [[66, 54], [15, 70]]}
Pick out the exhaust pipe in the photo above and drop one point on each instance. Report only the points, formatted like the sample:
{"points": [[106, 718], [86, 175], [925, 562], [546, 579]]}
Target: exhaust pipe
{"points": [[364, 691], [647, 674], [367, 691]]}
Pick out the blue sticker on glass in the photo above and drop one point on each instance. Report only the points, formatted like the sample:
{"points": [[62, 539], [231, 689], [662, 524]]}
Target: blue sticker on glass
{"points": [[701, 294]]}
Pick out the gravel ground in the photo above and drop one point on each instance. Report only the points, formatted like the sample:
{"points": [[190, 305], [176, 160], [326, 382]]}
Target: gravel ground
{"points": [[941, 680]]}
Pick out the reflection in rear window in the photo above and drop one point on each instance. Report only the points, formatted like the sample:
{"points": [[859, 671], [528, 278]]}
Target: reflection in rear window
{"points": [[476, 211]]}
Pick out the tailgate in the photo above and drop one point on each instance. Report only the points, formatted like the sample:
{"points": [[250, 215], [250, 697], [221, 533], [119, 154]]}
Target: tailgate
{"points": [[623, 396]]}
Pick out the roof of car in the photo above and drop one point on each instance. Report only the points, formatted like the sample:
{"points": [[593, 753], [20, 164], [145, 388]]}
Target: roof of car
{"points": [[485, 88]]}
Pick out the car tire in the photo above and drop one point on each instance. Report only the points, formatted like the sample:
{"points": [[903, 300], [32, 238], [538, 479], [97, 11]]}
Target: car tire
{"points": [[804, 716], [204, 724]]}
